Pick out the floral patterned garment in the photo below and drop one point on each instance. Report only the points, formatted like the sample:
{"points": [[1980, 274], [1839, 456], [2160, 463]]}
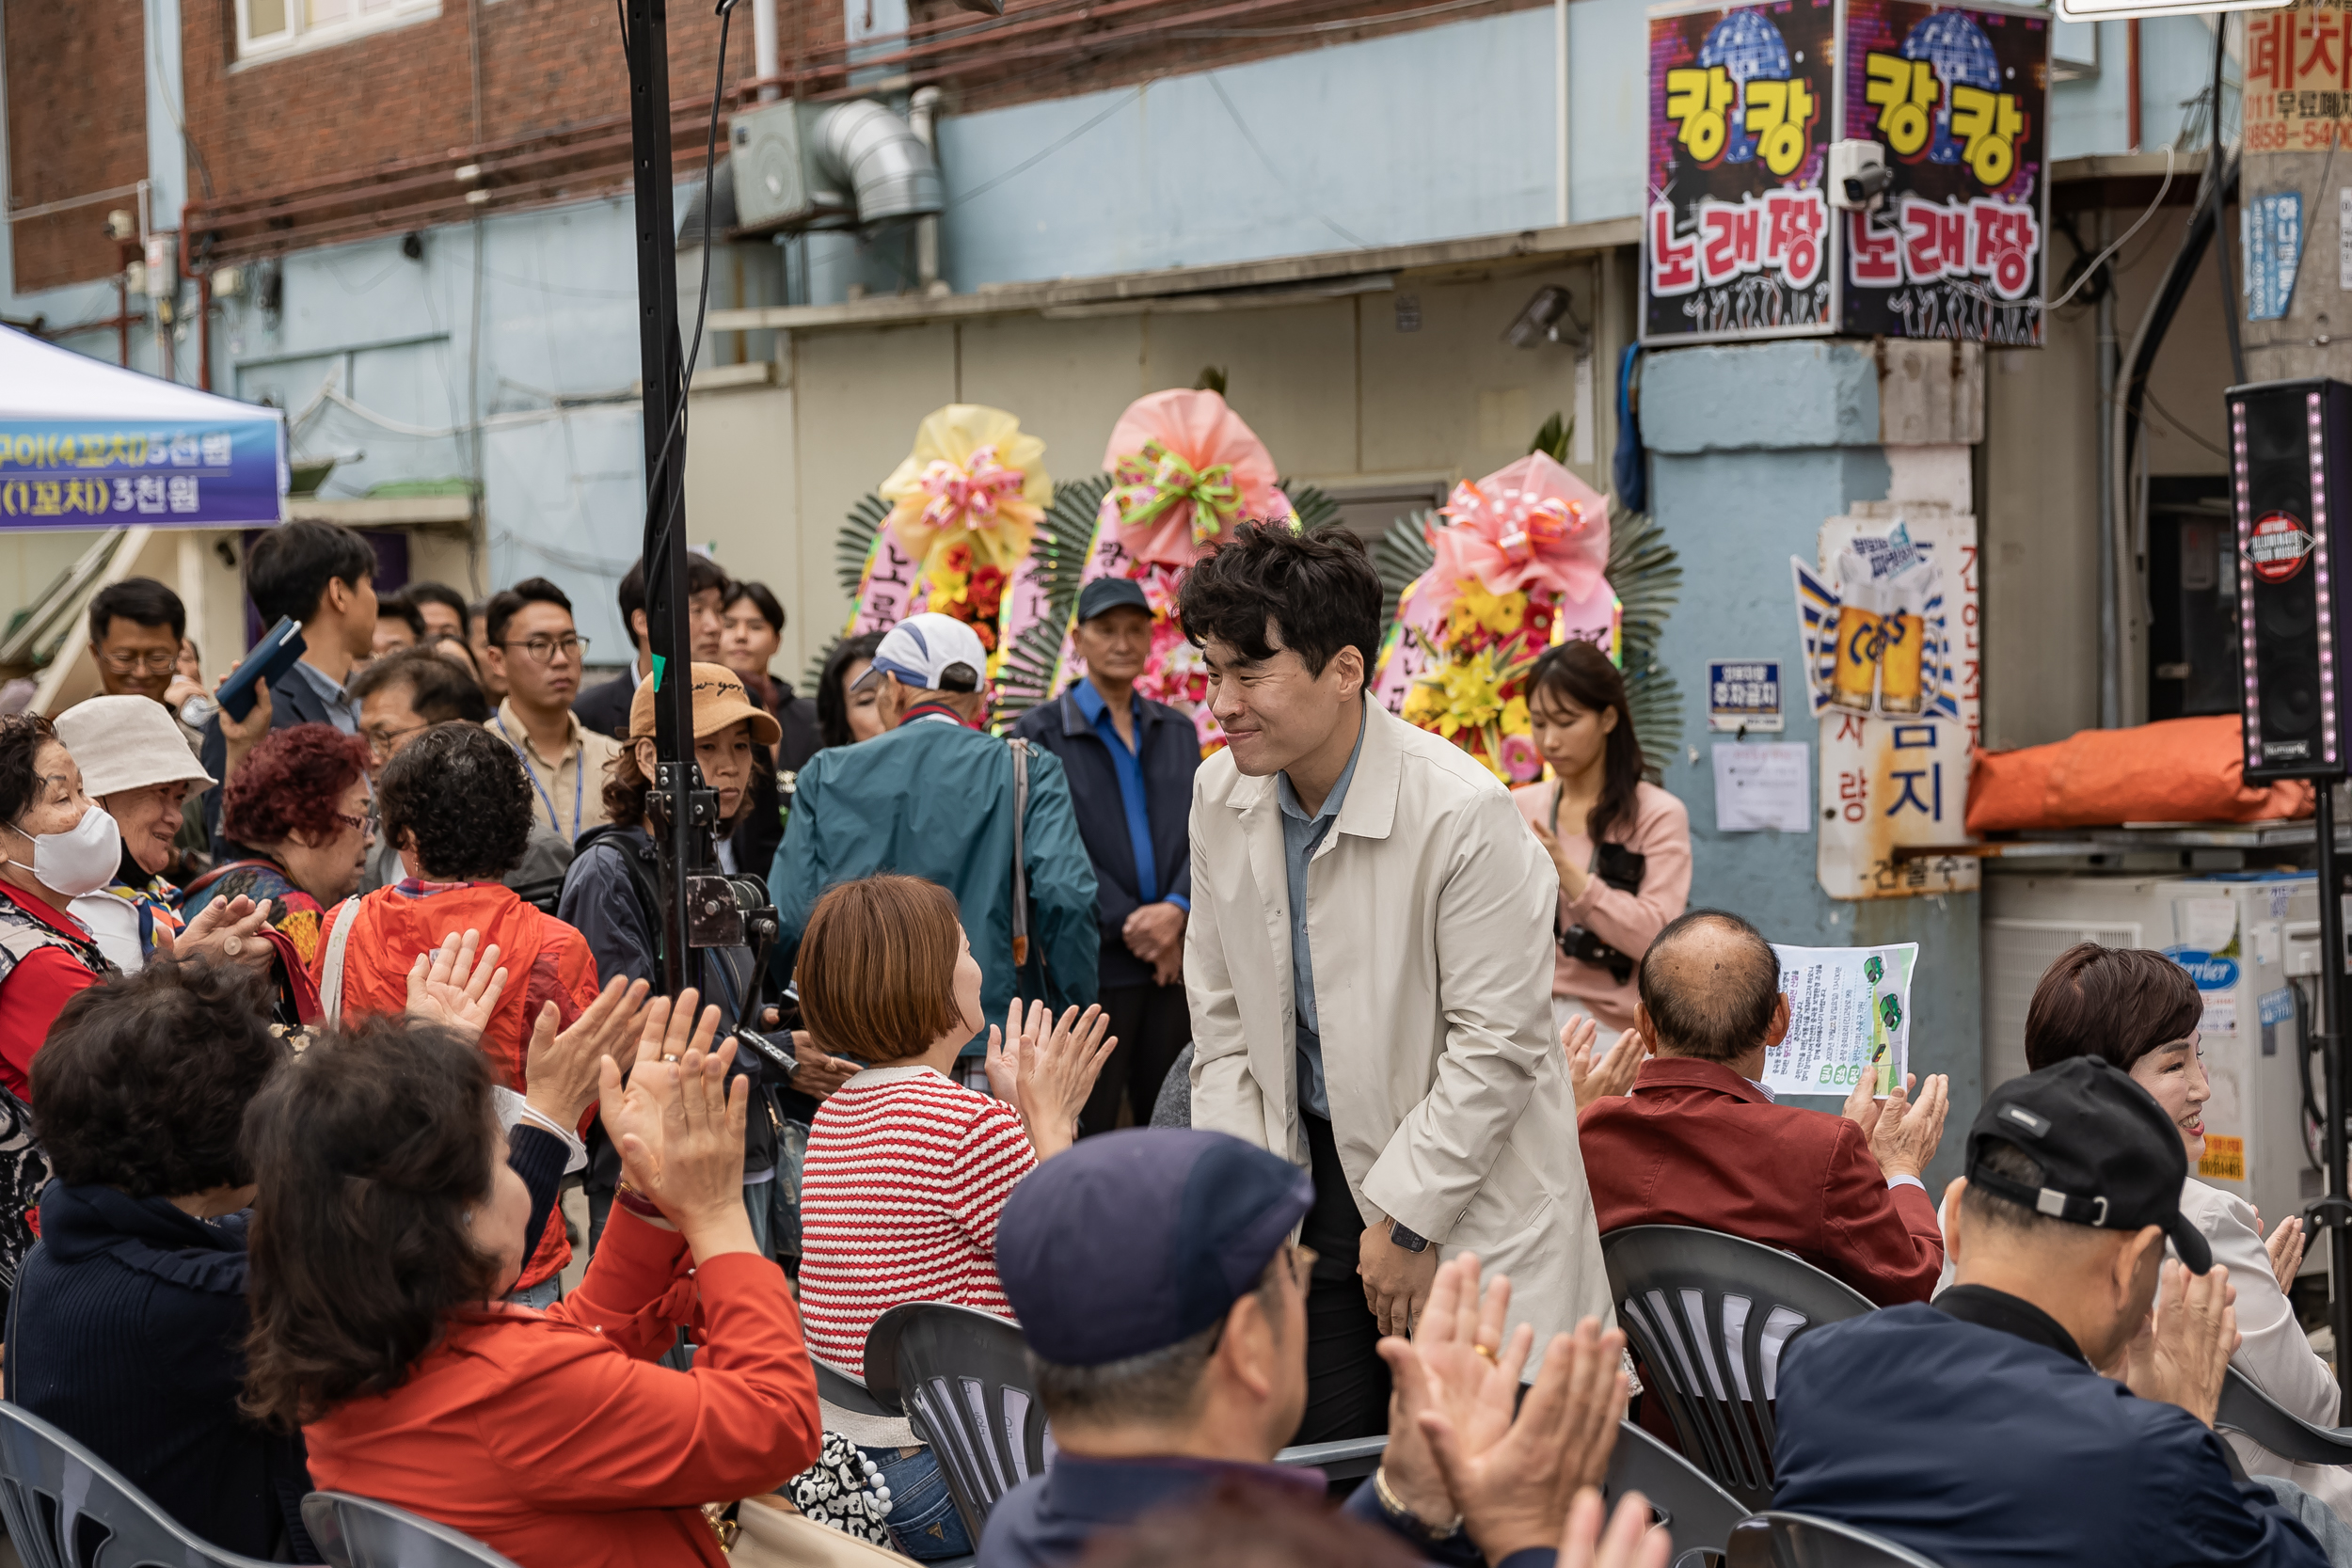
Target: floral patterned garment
{"points": [[292, 910]]}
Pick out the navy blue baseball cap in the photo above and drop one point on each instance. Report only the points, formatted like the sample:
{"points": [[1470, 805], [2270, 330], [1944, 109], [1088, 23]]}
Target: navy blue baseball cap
{"points": [[1109, 593], [1130, 1242]]}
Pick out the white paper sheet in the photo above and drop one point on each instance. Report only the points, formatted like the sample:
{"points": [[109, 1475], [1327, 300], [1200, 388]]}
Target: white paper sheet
{"points": [[1762, 785], [1849, 1011]]}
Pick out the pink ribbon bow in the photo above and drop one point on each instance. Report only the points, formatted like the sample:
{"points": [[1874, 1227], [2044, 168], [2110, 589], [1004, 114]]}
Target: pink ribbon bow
{"points": [[1532, 525], [967, 496]]}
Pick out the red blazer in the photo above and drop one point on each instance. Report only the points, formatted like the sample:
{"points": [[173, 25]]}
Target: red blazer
{"points": [[554, 1438], [1696, 1143]]}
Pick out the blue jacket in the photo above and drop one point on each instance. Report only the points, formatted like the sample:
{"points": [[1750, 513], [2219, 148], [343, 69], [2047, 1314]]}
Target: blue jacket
{"points": [[1170, 750], [934, 800], [1048, 1520], [1976, 1444]]}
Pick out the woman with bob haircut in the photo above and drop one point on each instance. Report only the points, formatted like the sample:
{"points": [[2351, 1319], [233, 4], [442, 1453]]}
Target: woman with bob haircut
{"points": [[389, 1227], [2138, 1010], [907, 1170]]}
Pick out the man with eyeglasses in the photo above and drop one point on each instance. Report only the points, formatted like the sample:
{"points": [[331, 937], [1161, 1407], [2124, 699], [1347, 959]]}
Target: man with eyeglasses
{"points": [[135, 629], [532, 645]]}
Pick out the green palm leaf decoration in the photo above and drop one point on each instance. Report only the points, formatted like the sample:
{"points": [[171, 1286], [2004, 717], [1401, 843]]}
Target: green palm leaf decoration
{"points": [[1400, 555], [1026, 679], [1310, 505], [855, 541]]}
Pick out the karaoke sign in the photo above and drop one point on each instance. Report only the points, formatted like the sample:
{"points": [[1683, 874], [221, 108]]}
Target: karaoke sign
{"points": [[1739, 237]]}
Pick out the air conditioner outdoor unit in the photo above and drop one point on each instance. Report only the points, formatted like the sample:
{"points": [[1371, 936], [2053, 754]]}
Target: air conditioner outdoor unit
{"points": [[776, 184], [800, 166]]}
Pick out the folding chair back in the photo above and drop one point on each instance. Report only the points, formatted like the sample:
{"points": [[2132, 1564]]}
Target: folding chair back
{"points": [[66, 1508], [360, 1533], [962, 1378]]}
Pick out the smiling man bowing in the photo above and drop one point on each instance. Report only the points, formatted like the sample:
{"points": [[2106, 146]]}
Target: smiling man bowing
{"points": [[1368, 968]]}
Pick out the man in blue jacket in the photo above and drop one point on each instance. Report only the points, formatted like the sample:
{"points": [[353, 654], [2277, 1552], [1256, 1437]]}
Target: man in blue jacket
{"points": [[933, 798], [1130, 762], [1976, 1429]]}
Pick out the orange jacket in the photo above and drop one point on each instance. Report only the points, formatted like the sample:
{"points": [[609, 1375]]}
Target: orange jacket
{"points": [[544, 960], [555, 1438]]}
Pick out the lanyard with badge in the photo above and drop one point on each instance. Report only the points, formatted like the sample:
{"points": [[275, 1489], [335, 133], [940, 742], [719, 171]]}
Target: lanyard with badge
{"points": [[579, 776]]}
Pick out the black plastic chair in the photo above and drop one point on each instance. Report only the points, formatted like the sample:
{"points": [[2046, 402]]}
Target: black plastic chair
{"points": [[66, 1508], [1709, 1315], [360, 1532], [962, 1378], [1684, 1499], [845, 1390], [2247, 1409], [1801, 1541], [1343, 1459]]}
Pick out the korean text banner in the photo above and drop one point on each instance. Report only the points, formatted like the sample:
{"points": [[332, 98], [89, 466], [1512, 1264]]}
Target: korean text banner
{"points": [[1736, 239], [1958, 98], [2298, 78], [111, 473]]}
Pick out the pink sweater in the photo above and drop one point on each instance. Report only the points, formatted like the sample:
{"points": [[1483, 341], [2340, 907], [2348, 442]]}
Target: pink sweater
{"points": [[1626, 921]]}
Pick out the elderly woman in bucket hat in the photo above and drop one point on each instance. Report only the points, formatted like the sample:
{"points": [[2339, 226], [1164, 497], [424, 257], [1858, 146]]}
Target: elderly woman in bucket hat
{"points": [[136, 766]]}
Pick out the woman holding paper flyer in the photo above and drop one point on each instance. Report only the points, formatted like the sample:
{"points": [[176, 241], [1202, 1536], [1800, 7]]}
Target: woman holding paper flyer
{"points": [[1621, 846]]}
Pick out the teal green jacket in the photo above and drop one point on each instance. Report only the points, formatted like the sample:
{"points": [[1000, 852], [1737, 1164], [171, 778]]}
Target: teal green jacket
{"points": [[934, 800]]}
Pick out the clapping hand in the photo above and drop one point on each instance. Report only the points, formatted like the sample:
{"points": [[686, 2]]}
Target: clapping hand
{"points": [[2183, 1348], [1461, 1362], [1046, 1074], [561, 1070], [679, 1125], [2285, 1247], [455, 986], [1613, 1074], [225, 929], [1630, 1542], [1902, 1134]]}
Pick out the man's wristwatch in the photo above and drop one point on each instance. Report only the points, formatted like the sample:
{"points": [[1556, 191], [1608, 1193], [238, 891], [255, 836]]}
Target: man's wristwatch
{"points": [[1404, 1519], [1409, 1240]]}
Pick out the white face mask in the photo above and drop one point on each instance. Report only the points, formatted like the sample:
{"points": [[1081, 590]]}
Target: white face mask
{"points": [[81, 860]]}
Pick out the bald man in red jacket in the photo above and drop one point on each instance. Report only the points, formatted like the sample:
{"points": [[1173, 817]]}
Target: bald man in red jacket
{"points": [[1700, 1142]]}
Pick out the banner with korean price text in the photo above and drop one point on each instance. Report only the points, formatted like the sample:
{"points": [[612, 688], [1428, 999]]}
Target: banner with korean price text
{"points": [[2298, 78], [1959, 96], [111, 473], [1736, 237], [1893, 779]]}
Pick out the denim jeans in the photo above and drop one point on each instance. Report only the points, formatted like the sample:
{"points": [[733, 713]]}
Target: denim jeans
{"points": [[923, 1516]]}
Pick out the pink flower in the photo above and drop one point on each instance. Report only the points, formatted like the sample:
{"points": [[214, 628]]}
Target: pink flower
{"points": [[1521, 762]]}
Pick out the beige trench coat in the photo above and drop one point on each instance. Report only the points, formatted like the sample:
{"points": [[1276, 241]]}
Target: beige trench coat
{"points": [[1429, 923]]}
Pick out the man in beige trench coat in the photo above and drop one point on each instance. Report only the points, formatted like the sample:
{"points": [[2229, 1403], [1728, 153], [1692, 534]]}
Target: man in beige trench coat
{"points": [[1368, 964]]}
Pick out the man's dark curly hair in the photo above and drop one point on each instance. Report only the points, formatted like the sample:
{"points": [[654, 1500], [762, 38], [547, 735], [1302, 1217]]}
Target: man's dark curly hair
{"points": [[461, 790], [21, 736], [289, 783], [144, 1081], [1316, 590]]}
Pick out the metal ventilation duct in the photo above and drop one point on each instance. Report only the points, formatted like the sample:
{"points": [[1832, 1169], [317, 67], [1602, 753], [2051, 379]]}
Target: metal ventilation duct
{"points": [[877, 156]]}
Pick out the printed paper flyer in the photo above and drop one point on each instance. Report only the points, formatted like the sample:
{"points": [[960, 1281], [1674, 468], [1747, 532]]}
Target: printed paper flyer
{"points": [[1848, 1013]]}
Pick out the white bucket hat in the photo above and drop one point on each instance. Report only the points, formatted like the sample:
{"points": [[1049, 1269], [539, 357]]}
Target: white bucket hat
{"points": [[127, 742]]}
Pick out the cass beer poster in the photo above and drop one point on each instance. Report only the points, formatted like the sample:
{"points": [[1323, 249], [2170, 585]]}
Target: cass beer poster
{"points": [[1959, 99], [1736, 239], [1739, 237]]}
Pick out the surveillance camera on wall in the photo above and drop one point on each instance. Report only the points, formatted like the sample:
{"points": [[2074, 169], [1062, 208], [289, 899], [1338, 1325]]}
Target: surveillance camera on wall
{"points": [[1858, 175], [1545, 318]]}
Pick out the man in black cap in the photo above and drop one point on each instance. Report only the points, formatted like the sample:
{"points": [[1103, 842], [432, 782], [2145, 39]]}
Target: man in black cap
{"points": [[1978, 1429], [1130, 762], [1165, 1308]]}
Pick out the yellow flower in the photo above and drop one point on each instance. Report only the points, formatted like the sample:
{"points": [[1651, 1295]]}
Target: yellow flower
{"points": [[1475, 610], [1471, 697], [1423, 704], [1515, 717]]}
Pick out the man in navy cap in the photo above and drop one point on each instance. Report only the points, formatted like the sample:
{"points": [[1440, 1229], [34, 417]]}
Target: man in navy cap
{"points": [[1163, 1304], [1130, 763], [1978, 1429]]}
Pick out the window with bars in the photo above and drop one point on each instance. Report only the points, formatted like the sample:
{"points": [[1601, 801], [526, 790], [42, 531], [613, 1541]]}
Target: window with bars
{"points": [[266, 27]]}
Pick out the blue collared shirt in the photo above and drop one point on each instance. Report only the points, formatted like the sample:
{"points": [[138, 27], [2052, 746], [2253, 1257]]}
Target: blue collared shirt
{"points": [[1301, 835], [1128, 764], [340, 710]]}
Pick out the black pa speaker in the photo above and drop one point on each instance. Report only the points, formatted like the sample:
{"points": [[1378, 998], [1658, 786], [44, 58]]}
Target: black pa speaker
{"points": [[2290, 456]]}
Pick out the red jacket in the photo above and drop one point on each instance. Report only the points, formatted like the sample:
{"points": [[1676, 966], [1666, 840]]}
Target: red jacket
{"points": [[1696, 1143], [553, 1437]]}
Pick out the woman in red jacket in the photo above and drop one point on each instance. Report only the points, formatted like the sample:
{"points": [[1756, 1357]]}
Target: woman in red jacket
{"points": [[387, 1230]]}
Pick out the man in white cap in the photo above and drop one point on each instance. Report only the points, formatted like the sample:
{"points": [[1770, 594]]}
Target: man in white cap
{"points": [[936, 796], [136, 766]]}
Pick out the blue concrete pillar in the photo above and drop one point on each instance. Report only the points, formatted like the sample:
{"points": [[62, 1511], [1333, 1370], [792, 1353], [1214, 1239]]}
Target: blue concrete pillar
{"points": [[1753, 447]]}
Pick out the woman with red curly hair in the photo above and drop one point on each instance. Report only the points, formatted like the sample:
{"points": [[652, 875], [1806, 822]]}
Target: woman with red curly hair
{"points": [[296, 815]]}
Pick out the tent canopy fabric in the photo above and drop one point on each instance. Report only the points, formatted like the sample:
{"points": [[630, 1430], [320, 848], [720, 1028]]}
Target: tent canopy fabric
{"points": [[86, 444]]}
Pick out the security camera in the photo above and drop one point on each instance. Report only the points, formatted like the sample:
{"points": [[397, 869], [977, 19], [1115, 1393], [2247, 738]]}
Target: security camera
{"points": [[1858, 175], [1545, 318]]}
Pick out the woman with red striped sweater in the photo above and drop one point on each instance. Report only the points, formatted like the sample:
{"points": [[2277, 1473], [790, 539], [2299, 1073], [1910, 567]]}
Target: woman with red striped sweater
{"points": [[907, 1170]]}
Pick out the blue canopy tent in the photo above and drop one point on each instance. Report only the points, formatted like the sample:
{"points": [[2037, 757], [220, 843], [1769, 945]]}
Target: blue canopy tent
{"points": [[85, 443]]}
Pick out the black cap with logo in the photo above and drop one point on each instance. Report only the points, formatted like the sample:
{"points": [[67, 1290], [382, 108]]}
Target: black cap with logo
{"points": [[2111, 1158]]}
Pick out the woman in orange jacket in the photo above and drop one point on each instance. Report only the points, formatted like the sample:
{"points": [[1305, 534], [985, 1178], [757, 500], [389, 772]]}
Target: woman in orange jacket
{"points": [[385, 1231]]}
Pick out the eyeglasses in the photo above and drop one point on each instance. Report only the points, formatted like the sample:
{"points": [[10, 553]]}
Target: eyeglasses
{"points": [[1298, 1262], [385, 743], [153, 661], [362, 823], [542, 650]]}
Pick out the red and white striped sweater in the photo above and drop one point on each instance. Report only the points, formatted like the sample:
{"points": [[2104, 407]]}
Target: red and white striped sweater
{"points": [[905, 1175]]}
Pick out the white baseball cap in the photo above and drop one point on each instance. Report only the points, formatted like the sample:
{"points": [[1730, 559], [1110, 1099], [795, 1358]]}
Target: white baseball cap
{"points": [[935, 652], [127, 742]]}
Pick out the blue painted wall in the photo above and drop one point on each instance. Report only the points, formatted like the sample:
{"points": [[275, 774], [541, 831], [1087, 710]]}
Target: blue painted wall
{"points": [[1752, 447]]}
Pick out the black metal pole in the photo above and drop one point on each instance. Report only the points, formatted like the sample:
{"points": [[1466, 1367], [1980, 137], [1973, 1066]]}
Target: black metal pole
{"points": [[2331, 1040], [677, 780]]}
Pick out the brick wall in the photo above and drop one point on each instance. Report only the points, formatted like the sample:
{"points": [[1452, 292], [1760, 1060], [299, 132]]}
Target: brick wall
{"points": [[77, 124]]}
